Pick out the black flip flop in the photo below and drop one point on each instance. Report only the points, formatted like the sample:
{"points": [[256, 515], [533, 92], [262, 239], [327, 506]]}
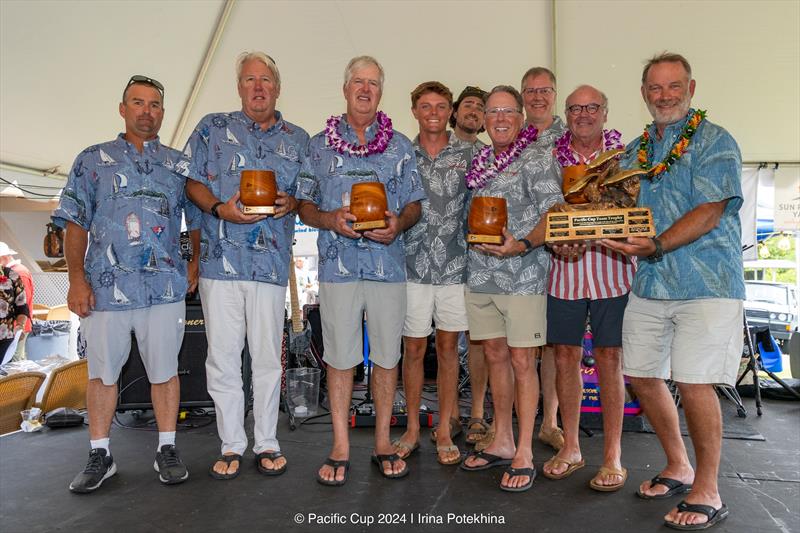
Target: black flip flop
{"points": [[515, 472], [675, 487], [714, 516], [391, 458], [491, 461], [336, 465], [227, 459], [271, 456]]}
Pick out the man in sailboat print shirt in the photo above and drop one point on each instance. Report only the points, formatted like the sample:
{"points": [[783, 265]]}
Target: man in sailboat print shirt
{"points": [[244, 259], [124, 202]]}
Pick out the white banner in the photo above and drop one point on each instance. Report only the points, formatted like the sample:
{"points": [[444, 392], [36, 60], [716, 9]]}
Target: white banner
{"points": [[787, 198], [305, 238], [748, 211]]}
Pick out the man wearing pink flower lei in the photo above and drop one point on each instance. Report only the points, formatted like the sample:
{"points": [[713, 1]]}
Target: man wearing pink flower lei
{"points": [[360, 272], [588, 280], [506, 283]]}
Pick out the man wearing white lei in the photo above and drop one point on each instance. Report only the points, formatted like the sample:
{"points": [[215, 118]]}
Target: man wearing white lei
{"points": [[588, 279], [358, 272], [506, 283]]}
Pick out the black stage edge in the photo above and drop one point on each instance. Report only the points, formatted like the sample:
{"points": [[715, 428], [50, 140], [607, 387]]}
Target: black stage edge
{"points": [[759, 481]]}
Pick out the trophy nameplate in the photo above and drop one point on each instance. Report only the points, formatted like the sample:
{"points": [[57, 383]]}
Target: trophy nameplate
{"points": [[488, 216], [368, 203], [257, 192], [614, 223]]}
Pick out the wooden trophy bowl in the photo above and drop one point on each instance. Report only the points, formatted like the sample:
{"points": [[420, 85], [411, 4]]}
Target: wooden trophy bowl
{"points": [[488, 216], [257, 192], [368, 203], [570, 175]]}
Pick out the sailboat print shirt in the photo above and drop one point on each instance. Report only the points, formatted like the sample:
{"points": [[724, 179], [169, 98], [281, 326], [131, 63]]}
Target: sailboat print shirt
{"points": [[131, 205], [326, 179], [221, 146]]}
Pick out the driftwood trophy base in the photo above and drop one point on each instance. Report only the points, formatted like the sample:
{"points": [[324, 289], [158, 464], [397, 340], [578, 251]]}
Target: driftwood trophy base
{"points": [[600, 224], [372, 224], [484, 239], [258, 209]]}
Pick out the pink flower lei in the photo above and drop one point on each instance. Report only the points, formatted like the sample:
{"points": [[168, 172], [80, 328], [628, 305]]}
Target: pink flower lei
{"points": [[480, 174], [375, 146], [611, 141]]}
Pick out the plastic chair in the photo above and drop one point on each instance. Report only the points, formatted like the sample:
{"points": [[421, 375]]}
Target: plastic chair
{"points": [[66, 387], [17, 392], [59, 312]]}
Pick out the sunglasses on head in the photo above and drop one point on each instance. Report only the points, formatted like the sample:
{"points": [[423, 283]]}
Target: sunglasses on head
{"points": [[148, 81]]}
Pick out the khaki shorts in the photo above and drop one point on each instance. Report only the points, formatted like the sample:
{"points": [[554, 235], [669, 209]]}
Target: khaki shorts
{"points": [[159, 335], [688, 341], [442, 304], [342, 306], [521, 319]]}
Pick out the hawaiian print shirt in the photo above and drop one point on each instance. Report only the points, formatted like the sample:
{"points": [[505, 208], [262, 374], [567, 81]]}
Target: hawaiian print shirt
{"points": [[12, 302], [221, 146], [709, 171], [326, 179], [131, 205], [548, 137], [531, 185], [436, 246], [458, 143]]}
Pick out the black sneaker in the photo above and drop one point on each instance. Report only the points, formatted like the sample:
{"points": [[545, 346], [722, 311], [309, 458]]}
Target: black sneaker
{"points": [[100, 467], [169, 466]]}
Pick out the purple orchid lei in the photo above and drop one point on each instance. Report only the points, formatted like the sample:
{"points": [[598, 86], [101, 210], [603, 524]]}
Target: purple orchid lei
{"points": [[611, 141], [375, 146], [480, 174]]}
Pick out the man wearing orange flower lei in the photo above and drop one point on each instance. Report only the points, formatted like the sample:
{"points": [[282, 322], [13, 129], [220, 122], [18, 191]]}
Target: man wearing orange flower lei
{"points": [[684, 316], [588, 280]]}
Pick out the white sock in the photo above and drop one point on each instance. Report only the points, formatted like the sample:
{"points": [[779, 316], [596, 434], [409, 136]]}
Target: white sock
{"points": [[165, 437], [101, 443]]}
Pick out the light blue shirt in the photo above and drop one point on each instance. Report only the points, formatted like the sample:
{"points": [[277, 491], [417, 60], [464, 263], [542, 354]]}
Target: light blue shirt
{"points": [[326, 179], [709, 171], [222, 145], [131, 205]]}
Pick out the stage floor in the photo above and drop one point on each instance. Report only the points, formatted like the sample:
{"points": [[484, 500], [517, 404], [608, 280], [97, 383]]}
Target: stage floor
{"points": [[759, 481]]}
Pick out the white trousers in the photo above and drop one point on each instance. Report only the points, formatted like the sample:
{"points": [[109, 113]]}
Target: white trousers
{"points": [[233, 309]]}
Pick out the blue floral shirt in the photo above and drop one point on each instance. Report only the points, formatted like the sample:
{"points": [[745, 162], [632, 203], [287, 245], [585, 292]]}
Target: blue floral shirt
{"points": [[709, 171], [326, 179], [131, 205], [221, 146]]}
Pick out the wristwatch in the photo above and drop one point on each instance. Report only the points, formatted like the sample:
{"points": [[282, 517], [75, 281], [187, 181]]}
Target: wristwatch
{"points": [[656, 256], [528, 247], [214, 209]]}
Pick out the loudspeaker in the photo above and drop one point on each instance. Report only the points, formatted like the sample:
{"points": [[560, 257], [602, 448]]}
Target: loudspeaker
{"points": [[134, 388]]}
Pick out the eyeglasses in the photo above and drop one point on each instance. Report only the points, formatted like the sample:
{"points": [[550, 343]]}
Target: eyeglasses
{"points": [[497, 111], [576, 109], [541, 91], [148, 81]]}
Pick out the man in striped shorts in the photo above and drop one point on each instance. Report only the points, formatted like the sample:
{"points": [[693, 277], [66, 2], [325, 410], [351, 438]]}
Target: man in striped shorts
{"points": [[588, 279]]}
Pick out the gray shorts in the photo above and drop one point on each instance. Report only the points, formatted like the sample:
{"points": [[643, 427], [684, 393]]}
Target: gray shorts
{"points": [[159, 335], [688, 341], [342, 306], [521, 319]]}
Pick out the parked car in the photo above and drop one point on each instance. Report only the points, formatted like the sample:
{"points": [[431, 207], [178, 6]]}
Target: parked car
{"points": [[775, 305]]}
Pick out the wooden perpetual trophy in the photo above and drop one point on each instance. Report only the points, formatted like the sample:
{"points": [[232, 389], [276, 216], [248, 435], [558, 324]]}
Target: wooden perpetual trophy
{"points": [[258, 191], [368, 203], [600, 203], [488, 216]]}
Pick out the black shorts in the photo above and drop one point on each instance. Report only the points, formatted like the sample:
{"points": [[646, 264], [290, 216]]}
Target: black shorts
{"points": [[566, 320]]}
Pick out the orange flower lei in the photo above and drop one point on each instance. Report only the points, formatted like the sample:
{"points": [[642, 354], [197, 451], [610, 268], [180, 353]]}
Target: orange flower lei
{"points": [[678, 149]]}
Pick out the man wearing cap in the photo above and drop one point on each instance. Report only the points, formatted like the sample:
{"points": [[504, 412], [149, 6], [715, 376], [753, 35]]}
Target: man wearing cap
{"points": [[467, 117], [7, 259], [436, 251], [360, 272], [538, 88], [122, 207], [245, 259]]}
